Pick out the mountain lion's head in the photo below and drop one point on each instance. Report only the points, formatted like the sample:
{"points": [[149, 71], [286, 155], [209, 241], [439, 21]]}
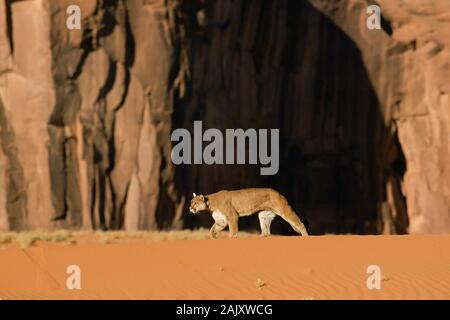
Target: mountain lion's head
{"points": [[198, 203]]}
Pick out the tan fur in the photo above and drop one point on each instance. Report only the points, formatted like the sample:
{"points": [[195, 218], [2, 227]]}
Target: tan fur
{"points": [[227, 206]]}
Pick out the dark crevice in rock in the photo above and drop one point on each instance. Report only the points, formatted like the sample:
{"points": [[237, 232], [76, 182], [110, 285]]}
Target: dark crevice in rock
{"points": [[92, 205], [101, 181], [67, 104], [9, 24], [109, 83], [130, 42], [401, 47], [401, 220], [57, 163], [165, 211], [86, 48], [386, 25], [393, 211], [115, 218], [72, 196]]}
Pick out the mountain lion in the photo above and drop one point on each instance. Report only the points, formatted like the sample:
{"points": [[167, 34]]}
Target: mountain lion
{"points": [[227, 206]]}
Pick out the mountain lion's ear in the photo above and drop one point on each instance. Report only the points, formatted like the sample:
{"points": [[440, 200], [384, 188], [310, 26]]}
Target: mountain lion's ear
{"points": [[194, 195], [202, 197]]}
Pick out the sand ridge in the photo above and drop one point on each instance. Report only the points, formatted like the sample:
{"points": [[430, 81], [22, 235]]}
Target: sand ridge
{"points": [[315, 267]]}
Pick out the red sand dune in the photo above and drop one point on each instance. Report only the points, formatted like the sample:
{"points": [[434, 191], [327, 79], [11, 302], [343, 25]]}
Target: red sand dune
{"points": [[321, 267]]}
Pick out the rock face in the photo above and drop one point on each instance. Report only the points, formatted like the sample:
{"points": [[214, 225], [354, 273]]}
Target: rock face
{"points": [[409, 67], [86, 115]]}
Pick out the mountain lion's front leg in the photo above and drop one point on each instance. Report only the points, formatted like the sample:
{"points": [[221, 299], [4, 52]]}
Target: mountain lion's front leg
{"points": [[221, 222], [216, 228]]}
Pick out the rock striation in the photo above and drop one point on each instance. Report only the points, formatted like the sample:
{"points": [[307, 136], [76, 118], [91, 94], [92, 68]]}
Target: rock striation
{"points": [[86, 115]]}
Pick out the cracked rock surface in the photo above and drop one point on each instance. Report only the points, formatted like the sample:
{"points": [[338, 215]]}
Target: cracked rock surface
{"points": [[86, 115]]}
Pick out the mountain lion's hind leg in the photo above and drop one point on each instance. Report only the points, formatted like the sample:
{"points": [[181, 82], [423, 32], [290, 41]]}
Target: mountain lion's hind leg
{"points": [[233, 226], [232, 217], [265, 220]]}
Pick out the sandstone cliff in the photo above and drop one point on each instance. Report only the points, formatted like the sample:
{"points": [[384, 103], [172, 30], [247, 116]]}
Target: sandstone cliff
{"points": [[408, 65], [86, 116]]}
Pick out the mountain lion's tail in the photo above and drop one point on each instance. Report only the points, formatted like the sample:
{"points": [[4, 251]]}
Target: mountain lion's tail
{"points": [[296, 223], [285, 211]]}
